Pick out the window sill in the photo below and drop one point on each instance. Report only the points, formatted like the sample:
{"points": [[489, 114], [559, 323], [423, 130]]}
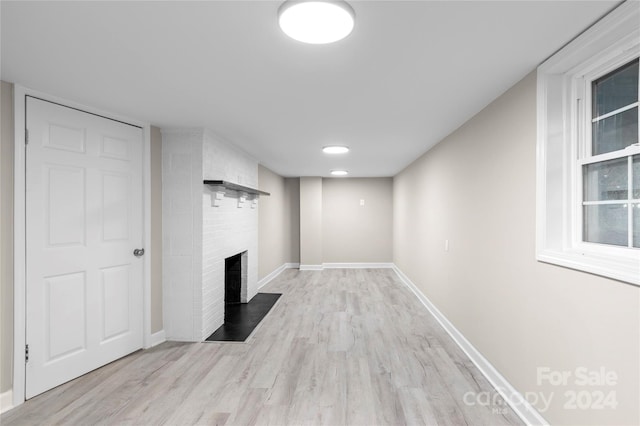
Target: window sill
{"points": [[625, 270]]}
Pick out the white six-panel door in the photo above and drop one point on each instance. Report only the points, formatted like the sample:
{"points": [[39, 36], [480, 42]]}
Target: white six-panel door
{"points": [[84, 286]]}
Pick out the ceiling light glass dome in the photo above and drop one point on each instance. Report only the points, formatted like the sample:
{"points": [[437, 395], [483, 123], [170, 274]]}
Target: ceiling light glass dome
{"points": [[335, 149], [316, 22]]}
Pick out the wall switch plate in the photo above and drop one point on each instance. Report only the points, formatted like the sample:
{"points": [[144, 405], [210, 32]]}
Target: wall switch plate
{"points": [[362, 202], [446, 245]]}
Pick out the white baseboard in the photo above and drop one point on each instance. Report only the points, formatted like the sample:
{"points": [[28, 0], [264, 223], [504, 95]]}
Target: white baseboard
{"points": [[264, 281], [358, 265], [6, 401], [311, 267], [361, 265], [516, 401], [157, 338]]}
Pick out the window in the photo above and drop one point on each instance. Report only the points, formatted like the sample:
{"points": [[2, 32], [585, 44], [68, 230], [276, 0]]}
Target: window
{"points": [[610, 173], [588, 183]]}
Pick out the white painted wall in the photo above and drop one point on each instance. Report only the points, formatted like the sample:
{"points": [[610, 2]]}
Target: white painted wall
{"points": [[182, 233]]}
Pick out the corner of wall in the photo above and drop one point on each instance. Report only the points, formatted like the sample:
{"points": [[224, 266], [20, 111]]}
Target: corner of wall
{"points": [[156, 230], [6, 401], [6, 240]]}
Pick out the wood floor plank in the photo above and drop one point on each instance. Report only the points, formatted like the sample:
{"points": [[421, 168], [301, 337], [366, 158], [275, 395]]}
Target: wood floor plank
{"points": [[340, 347]]}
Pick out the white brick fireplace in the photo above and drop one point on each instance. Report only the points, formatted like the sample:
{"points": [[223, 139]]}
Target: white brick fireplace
{"points": [[202, 226]]}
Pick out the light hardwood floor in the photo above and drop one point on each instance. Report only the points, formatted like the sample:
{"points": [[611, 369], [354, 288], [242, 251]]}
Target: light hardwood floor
{"points": [[341, 347]]}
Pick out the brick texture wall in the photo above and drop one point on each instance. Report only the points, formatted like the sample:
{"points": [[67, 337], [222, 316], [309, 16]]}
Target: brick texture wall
{"points": [[202, 228], [230, 227]]}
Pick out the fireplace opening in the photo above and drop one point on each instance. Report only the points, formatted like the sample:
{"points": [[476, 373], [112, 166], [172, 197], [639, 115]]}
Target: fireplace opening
{"points": [[233, 279], [241, 316]]}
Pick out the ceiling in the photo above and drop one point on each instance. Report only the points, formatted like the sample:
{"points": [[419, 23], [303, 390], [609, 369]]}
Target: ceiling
{"points": [[409, 74]]}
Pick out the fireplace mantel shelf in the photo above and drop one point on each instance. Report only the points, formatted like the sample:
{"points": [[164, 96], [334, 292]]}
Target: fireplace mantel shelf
{"points": [[235, 187]]}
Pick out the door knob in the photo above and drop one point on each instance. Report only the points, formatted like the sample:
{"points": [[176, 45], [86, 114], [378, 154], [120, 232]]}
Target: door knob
{"points": [[138, 252]]}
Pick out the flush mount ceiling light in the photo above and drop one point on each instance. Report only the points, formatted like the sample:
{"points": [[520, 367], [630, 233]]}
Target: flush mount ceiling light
{"points": [[335, 149], [316, 22], [339, 172]]}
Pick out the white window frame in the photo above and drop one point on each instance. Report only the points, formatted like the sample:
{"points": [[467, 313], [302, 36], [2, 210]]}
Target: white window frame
{"points": [[563, 108]]}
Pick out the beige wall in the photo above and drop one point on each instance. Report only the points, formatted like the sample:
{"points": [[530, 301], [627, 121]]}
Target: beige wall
{"points": [[279, 222], [292, 218], [6, 236], [321, 221], [156, 230], [477, 189], [352, 232], [311, 221]]}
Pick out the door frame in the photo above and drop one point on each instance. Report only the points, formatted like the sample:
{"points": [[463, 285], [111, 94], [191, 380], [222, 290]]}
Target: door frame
{"points": [[19, 241]]}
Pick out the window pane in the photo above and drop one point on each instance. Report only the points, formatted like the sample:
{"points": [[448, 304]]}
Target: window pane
{"points": [[615, 132], [606, 224], [606, 180], [616, 89], [636, 225], [636, 176]]}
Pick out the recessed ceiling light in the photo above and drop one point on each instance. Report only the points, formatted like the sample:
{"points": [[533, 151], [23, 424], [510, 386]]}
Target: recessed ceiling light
{"points": [[335, 149], [339, 172], [316, 22]]}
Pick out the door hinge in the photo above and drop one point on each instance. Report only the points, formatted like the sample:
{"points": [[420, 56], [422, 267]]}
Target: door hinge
{"points": [[26, 353], [26, 136]]}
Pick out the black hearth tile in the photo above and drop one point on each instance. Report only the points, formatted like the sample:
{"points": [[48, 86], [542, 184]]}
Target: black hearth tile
{"points": [[241, 319]]}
